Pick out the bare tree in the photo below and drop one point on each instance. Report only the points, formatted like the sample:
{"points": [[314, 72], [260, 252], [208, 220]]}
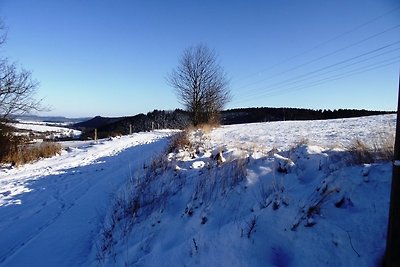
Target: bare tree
{"points": [[200, 83], [17, 88], [3, 31], [17, 91]]}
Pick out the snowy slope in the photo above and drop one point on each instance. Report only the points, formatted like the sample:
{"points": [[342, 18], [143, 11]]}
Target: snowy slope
{"points": [[264, 194], [325, 133], [273, 200], [50, 210]]}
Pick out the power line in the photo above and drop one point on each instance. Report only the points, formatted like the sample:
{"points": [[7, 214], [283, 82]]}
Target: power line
{"points": [[354, 72], [324, 43], [335, 77], [364, 69], [326, 55], [317, 72]]}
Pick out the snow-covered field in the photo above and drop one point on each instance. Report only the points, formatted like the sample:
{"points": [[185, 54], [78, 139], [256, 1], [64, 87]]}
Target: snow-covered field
{"points": [[46, 129], [267, 194]]}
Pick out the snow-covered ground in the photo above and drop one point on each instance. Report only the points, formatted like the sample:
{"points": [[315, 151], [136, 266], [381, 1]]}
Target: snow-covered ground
{"points": [[266, 194], [49, 130], [51, 210], [325, 133]]}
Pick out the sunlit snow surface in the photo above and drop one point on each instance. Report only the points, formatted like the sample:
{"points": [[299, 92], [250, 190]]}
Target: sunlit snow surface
{"points": [[51, 130], [53, 212], [283, 135]]}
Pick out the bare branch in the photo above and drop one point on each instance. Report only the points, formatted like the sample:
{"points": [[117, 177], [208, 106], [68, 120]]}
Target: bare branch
{"points": [[3, 32], [17, 91], [200, 83]]}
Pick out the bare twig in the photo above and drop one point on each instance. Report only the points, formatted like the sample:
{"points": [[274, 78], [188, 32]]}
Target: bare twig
{"points": [[351, 242]]}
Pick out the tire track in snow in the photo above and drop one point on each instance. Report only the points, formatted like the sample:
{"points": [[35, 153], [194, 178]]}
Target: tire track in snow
{"points": [[35, 228]]}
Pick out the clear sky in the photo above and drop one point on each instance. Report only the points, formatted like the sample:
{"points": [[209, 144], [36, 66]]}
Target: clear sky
{"points": [[111, 58]]}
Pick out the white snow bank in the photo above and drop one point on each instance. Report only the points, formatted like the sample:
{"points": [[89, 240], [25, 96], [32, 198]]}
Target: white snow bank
{"points": [[275, 201]]}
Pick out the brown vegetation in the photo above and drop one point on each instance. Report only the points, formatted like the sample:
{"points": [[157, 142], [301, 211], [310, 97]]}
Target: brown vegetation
{"points": [[381, 149], [24, 153], [180, 142]]}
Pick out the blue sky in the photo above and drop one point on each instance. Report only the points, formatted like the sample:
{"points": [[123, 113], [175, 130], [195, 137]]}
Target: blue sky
{"points": [[111, 58]]}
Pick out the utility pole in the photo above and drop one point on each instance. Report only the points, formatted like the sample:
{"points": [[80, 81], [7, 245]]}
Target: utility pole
{"points": [[392, 257]]}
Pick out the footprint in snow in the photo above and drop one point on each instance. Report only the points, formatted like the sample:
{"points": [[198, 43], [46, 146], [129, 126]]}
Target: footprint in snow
{"points": [[280, 257]]}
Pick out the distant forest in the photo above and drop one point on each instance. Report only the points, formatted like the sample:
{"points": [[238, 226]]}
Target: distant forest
{"points": [[249, 115], [157, 119], [179, 119]]}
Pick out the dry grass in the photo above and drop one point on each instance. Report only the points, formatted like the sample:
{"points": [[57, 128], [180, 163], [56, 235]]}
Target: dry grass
{"points": [[205, 127], [380, 149], [384, 147], [25, 153], [180, 142], [361, 152], [208, 127], [318, 198], [302, 142]]}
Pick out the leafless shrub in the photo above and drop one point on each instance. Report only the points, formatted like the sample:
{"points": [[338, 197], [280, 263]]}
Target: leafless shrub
{"points": [[264, 194], [272, 192], [8, 141], [303, 141], [206, 188], [180, 142], [381, 149], [384, 147], [158, 165], [236, 172], [25, 153], [360, 152], [250, 226], [208, 127], [146, 192], [313, 207], [277, 196], [215, 182]]}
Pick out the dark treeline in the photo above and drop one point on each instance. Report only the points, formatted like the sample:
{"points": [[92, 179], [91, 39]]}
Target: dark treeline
{"points": [[179, 119], [249, 115], [157, 119]]}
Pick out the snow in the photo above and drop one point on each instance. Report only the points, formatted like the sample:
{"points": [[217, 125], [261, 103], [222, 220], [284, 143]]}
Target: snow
{"points": [[50, 210], [325, 133], [52, 130], [263, 194]]}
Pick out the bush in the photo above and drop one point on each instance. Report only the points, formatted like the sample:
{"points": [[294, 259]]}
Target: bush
{"points": [[382, 149], [180, 142], [361, 152], [25, 153], [8, 141]]}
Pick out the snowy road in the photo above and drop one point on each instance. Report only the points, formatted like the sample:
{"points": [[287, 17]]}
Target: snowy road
{"points": [[50, 211]]}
